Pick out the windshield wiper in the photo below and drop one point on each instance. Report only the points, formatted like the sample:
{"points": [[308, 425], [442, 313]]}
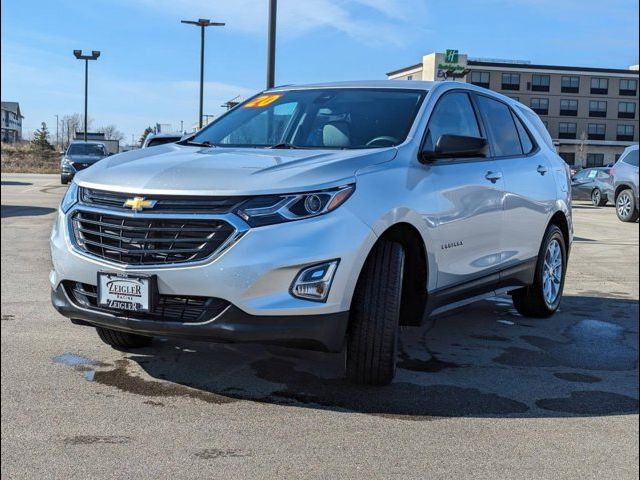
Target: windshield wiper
{"points": [[206, 143], [284, 146]]}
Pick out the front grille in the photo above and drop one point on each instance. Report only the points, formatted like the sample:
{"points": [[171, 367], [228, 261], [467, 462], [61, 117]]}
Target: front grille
{"points": [[164, 203], [140, 240], [170, 308], [80, 166]]}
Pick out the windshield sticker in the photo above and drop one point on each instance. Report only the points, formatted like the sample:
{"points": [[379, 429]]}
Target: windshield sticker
{"points": [[262, 101]]}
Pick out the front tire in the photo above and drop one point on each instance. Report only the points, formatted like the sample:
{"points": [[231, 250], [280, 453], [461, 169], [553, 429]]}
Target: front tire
{"points": [[626, 207], [542, 299], [120, 340], [372, 341], [597, 198], [64, 180]]}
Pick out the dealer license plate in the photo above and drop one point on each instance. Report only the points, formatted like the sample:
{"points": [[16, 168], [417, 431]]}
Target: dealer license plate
{"points": [[125, 292]]}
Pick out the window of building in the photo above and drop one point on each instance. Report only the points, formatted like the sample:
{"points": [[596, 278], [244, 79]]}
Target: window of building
{"points": [[540, 106], [517, 99], [511, 81], [597, 108], [625, 133], [570, 84], [599, 85], [626, 110], [409, 77], [567, 130], [540, 83], [453, 115], [596, 131], [595, 160], [504, 134], [628, 86], [480, 79], [568, 157], [569, 107]]}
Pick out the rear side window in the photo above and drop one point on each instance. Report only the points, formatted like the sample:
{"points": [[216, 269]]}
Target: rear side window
{"points": [[525, 138], [631, 158], [538, 125], [497, 117], [453, 115]]}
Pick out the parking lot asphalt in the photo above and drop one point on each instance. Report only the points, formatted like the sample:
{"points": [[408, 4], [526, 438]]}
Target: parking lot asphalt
{"points": [[481, 392]]}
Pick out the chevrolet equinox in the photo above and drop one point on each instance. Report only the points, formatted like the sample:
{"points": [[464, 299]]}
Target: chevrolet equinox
{"points": [[322, 217]]}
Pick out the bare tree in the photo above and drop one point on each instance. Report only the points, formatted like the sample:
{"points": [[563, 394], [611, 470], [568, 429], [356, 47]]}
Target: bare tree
{"points": [[70, 124], [111, 132]]}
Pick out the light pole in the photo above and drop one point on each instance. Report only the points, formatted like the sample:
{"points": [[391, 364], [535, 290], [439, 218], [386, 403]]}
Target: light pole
{"points": [[57, 137], [271, 44], [202, 23], [94, 56]]}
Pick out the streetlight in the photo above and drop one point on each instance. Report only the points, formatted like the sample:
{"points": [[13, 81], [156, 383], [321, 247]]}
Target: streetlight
{"points": [[202, 23], [94, 56], [271, 44], [57, 138]]}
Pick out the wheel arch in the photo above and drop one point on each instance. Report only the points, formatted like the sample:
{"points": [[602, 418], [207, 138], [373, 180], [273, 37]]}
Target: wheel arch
{"points": [[560, 220]]}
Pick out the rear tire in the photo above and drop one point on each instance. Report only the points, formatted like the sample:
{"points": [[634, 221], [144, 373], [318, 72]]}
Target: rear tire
{"points": [[122, 339], [597, 198], [626, 207], [372, 341], [542, 299]]}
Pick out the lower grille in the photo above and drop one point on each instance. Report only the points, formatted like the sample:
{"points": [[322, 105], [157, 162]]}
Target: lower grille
{"points": [[148, 241], [80, 166], [170, 308]]}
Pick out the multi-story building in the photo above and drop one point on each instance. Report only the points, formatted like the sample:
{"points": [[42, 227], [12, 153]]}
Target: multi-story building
{"points": [[591, 113], [11, 122]]}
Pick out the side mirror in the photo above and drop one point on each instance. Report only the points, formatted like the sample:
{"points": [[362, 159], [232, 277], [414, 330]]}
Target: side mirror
{"points": [[456, 146]]}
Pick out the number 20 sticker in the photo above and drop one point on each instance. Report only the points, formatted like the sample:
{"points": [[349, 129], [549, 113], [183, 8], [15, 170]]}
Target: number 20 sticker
{"points": [[262, 101]]}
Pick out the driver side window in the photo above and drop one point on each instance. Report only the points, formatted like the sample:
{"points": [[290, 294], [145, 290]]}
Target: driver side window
{"points": [[452, 115]]}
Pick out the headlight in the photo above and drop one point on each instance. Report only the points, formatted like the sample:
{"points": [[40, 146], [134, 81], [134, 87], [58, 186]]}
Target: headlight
{"points": [[70, 198], [66, 161], [270, 209]]}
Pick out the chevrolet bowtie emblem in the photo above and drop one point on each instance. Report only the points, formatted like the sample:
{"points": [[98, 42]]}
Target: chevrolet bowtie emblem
{"points": [[139, 203]]}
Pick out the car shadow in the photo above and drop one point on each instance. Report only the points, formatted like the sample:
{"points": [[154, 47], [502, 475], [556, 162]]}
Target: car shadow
{"points": [[24, 211], [481, 361]]}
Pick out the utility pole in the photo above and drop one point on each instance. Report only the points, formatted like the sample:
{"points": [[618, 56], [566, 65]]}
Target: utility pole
{"points": [[94, 56], [57, 137], [202, 23], [271, 44]]}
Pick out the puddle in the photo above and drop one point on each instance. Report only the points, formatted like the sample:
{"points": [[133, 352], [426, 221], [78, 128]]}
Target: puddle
{"points": [[123, 380], [418, 365], [593, 345], [74, 360]]}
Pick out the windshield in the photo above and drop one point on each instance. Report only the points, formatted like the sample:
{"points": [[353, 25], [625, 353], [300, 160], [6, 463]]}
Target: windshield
{"points": [[318, 118], [92, 149]]}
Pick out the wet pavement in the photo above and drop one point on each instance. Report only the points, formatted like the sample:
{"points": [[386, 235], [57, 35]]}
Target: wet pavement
{"points": [[480, 392]]}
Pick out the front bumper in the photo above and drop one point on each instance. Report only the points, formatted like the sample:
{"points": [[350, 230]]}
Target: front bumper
{"points": [[314, 332]]}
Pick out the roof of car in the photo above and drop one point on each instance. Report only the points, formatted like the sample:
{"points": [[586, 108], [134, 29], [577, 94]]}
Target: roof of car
{"points": [[395, 84]]}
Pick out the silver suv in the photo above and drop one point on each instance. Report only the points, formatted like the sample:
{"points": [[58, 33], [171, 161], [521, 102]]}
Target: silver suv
{"points": [[319, 216], [625, 184]]}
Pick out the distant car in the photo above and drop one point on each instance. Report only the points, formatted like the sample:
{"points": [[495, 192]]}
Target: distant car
{"points": [[80, 155], [625, 184], [155, 139], [574, 170], [593, 184]]}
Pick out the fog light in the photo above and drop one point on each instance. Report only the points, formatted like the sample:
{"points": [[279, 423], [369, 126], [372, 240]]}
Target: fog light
{"points": [[313, 283]]}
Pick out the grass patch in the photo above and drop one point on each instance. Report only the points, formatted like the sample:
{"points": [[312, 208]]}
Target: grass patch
{"points": [[21, 158]]}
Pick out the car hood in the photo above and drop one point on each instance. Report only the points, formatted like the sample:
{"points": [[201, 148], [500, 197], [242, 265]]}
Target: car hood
{"points": [[175, 169], [84, 158]]}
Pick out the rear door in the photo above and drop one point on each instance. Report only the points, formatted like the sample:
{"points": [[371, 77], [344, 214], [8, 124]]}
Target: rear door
{"points": [[469, 195], [529, 184]]}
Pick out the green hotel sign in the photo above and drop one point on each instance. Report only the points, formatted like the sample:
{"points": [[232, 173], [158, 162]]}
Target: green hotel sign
{"points": [[451, 56]]}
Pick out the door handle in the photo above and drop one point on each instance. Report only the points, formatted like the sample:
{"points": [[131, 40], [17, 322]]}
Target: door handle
{"points": [[542, 169], [493, 177]]}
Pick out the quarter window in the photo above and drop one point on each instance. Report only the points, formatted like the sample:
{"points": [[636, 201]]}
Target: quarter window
{"points": [[525, 138], [497, 116], [452, 115], [631, 158]]}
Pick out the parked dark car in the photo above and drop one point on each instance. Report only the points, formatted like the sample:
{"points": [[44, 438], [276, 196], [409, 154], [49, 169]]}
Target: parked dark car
{"points": [[80, 155], [625, 183], [593, 184]]}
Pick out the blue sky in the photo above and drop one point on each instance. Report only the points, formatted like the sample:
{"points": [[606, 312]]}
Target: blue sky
{"points": [[148, 70]]}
